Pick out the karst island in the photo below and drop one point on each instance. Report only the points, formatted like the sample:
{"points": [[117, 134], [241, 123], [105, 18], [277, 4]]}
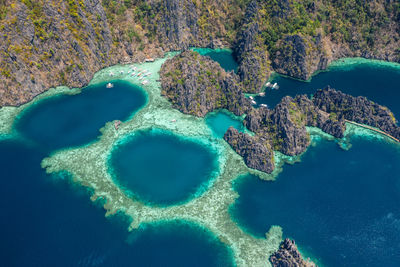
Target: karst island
{"points": [[200, 133]]}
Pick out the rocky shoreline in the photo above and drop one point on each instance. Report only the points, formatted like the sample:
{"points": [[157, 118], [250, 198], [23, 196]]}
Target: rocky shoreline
{"points": [[196, 85], [47, 44], [289, 256]]}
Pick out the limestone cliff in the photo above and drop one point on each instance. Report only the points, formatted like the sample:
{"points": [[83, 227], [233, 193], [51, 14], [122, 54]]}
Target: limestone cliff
{"points": [[289, 256], [196, 85]]}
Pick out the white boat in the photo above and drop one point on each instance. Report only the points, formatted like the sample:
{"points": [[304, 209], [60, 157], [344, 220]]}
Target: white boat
{"points": [[275, 86], [253, 102], [144, 82], [173, 120], [122, 72], [149, 59], [268, 84], [110, 85], [111, 73], [251, 97], [263, 105], [262, 94]]}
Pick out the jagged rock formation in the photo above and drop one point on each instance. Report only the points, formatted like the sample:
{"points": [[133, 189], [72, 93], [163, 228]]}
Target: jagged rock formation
{"points": [[289, 256], [251, 52], [299, 57], [46, 43], [196, 85], [257, 155], [358, 109]]}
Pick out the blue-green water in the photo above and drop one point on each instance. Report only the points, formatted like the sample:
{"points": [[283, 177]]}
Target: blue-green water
{"points": [[223, 56], [65, 120], [341, 207], [220, 121], [379, 83], [161, 168], [49, 222]]}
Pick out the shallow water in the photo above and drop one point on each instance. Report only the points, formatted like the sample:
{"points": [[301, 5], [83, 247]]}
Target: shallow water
{"points": [[65, 120], [220, 121], [161, 168], [223, 56], [340, 206], [377, 82], [49, 222]]}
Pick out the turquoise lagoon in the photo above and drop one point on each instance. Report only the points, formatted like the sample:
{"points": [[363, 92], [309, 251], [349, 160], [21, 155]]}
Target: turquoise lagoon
{"points": [[51, 222], [72, 120], [220, 121], [161, 168], [223, 56]]}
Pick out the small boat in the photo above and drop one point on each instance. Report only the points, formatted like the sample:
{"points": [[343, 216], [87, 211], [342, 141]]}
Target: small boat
{"points": [[149, 59], [110, 85], [145, 82], [275, 86], [134, 68], [111, 73], [262, 94], [251, 97], [122, 72], [253, 102], [263, 105], [173, 120], [268, 84]]}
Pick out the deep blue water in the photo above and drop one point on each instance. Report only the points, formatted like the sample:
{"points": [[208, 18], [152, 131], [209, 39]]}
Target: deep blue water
{"points": [[64, 120], [341, 207], [161, 168], [220, 121], [49, 222], [223, 56], [378, 83]]}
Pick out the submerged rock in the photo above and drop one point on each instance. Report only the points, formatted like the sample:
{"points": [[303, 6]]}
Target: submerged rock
{"points": [[196, 85], [289, 256]]}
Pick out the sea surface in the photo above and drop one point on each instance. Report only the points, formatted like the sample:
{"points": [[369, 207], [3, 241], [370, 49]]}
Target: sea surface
{"points": [[72, 120], [341, 207], [161, 168], [49, 221], [378, 82]]}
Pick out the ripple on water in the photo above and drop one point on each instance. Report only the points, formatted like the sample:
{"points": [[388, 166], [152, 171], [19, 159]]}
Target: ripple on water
{"points": [[340, 206], [71, 120], [161, 168]]}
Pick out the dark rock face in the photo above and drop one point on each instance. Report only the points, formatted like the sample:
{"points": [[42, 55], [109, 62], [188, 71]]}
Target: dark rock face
{"points": [[178, 25], [289, 256], [284, 126], [256, 154], [251, 52], [299, 57], [358, 109], [197, 85]]}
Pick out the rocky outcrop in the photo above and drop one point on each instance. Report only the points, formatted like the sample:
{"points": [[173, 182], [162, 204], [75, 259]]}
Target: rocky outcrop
{"points": [[196, 85], [256, 153], [358, 109], [289, 256], [251, 52], [299, 57]]}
